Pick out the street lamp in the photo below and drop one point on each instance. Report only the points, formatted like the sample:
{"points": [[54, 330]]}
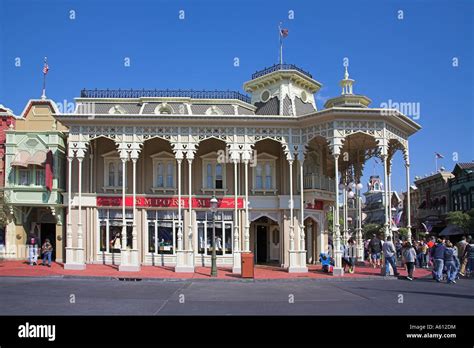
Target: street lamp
{"points": [[213, 204]]}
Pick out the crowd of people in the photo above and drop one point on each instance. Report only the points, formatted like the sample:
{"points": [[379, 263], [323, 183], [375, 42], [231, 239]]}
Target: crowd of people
{"points": [[448, 261]]}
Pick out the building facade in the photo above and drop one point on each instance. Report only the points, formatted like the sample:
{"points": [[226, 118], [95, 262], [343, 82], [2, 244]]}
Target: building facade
{"points": [[143, 166], [7, 121], [433, 192], [35, 180], [461, 187]]}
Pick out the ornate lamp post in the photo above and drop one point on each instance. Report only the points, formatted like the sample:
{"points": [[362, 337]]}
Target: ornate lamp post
{"points": [[213, 204]]}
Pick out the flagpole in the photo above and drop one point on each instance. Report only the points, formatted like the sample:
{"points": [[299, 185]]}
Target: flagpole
{"points": [[43, 96], [281, 43]]}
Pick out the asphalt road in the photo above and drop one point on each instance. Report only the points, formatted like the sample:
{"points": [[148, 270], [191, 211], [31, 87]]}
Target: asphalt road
{"points": [[62, 296]]}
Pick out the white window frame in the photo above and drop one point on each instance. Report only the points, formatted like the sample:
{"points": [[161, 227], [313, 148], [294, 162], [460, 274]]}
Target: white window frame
{"points": [[112, 157], [224, 223], [175, 223], [211, 158], [263, 159], [165, 158], [128, 222]]}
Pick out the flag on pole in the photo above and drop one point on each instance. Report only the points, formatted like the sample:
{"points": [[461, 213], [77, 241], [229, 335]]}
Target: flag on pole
{"points": [[438, 155], [283, 33], [45, 67]]}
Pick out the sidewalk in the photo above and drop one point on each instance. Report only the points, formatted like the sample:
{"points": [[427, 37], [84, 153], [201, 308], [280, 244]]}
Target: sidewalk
{"points": [[262, 272]]}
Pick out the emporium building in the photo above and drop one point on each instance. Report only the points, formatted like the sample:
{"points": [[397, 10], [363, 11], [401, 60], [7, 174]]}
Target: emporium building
{"points": [[143, 165]]}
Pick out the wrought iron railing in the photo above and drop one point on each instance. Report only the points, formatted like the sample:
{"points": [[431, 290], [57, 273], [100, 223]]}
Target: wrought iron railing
{"points": [[277, 67], [166, 93], [318, 182]]}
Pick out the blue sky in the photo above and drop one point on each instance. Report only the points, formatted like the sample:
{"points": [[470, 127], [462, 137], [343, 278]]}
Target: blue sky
{"points": [[403, 60]]}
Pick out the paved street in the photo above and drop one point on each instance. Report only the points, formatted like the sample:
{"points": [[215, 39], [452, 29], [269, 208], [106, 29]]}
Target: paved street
{"points": [[51, 296]]}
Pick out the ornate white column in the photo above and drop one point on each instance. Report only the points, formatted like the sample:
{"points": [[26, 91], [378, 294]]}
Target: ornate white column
{"points": [[134, 253], [302, 247], [408, 212], [338, 270], [124, 252], [385, 188], [183, 262], [80, 231], [389, 196], [344, 212], [236, 267], [359, 239], [246, 158], [70, 250]]}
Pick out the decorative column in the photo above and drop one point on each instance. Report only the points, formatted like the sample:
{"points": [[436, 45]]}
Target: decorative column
{"points": [[344, 211], [338, 270], [134, 252], [236, 268], [184, 264], [359, 239], [385, 174], [246, 159], [302, 247], [80, 232], [124, 252], [389, 196], [408, 212], [70, 250]]}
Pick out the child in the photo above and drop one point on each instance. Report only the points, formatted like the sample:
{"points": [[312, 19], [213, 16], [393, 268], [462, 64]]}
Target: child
{"points": [[325, 262]]}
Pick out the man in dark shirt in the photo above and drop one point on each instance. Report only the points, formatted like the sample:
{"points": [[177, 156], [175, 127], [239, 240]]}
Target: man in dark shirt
{"points": [[375, 247]]}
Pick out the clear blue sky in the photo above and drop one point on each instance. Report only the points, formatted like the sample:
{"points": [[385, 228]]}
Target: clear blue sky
{"points": [[408, 60]]}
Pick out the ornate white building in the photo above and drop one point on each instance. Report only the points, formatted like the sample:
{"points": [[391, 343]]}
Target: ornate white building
{"points": [[143, 165]]}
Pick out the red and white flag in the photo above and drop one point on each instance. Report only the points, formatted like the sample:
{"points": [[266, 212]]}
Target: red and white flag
{"points": [[283, 33], [45, 68]]}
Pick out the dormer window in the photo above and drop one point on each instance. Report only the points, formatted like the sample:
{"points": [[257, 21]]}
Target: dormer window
{"points": [[163, 109], [117, 109]]}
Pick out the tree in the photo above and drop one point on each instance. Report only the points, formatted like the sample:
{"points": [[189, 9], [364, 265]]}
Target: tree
{"points": [[460, 219], [330, 219], [402, 233], [368, 230]]}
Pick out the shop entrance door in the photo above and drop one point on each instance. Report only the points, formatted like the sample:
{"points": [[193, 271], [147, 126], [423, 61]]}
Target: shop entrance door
{"points": [[48, 231], [262, 243]]}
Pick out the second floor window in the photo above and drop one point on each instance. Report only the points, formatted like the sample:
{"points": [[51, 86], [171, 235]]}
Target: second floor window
{"points": [[114, 173], [23, 178], [214, 175], [39, 177], [264, 176], [164, 175]]}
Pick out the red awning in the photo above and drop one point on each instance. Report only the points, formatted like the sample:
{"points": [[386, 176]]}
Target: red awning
{"points": [[21, 159]]}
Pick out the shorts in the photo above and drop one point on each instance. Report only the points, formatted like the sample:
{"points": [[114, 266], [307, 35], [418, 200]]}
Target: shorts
{"points": [[376, 256]]}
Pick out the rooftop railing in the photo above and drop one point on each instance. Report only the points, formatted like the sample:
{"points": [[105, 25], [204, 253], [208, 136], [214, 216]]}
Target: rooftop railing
{"points": [[278, 67], [155, 93]]}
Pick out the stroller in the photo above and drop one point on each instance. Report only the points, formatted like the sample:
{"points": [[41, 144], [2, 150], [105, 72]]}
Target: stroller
{"points": [[327, 262]]}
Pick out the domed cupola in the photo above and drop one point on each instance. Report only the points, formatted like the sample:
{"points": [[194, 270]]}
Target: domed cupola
{"points": [[283, 89], [347, 97]]}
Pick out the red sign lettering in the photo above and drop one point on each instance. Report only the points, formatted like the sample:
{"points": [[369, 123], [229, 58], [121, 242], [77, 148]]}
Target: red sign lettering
{"points": [[169, 202]]}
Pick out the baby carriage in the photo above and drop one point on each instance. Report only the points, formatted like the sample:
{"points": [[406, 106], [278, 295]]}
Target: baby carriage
{"points": [[327, 262]]}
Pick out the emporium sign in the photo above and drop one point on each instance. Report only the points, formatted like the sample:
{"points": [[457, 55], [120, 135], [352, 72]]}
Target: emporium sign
{"points": [[169, 202]]}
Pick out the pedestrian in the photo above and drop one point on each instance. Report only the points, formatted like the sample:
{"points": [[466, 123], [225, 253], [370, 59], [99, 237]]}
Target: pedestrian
{"points": [[32, 245], [420, 253], [47, 250], [375, 247], [469, 254], [389, 254], [348, 259], [409, 255], [461, 245], [449, 262], [437, 254], [426, 255]]}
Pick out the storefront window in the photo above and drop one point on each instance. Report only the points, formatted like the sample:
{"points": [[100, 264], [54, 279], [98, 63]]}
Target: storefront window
{"points": [[110, 230], [162, 231], [223, 232]]}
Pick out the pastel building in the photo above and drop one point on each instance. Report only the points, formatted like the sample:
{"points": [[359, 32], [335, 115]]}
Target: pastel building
{"points": [[35, 151], [143, 165]]}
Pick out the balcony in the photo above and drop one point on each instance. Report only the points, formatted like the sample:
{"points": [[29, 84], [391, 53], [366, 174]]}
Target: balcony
{"points": [[278, 67], [318, 182]]}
